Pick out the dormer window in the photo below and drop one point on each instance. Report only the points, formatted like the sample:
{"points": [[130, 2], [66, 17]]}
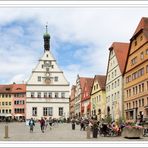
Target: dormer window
{"points": [[135, 43], [7, 89]]}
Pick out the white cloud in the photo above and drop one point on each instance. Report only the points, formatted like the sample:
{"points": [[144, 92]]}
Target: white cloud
{"points": [[97, 27]]}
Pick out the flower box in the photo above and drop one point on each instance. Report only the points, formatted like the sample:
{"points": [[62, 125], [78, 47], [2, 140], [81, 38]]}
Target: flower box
{"points": [[132, 132]]}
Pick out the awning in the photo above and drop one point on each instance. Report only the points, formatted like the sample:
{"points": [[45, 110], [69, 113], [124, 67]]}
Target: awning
{"points": [[88, 106], [5, 115]]}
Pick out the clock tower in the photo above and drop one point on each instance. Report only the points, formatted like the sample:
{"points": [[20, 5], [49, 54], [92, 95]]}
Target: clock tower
{"points": [[47, 90]]}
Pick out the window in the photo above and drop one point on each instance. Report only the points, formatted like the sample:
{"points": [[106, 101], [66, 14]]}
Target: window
{"points": [[62, 95], [129, 92], [55, 79], [39, 94], [52, 66], [136, 104], [2, 103], [141, 55], [139, 103], [133, 90], [32, 94], [127, 105], [112, 74], [136, 88], [135, 43], [139, 88], [142, 102], [112, 85], [6, 103], [141, 38], [47, 55], [115, 96], [34, 111], [47, 111], [45, 95], [42, 66], [115, 84], [56, 95], [134, 61], [60, 111], [3, 111], [108, 77], [94, 87], [97, 86], [39, 78], [115, 72], [9, 103], [147, 51], [50, 95], [118, 82], [9, 111], [146, 68], [142, 87]]}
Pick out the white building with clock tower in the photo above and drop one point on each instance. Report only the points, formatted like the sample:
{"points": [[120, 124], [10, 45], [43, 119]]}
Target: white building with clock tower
{"points": [[47, 90]]}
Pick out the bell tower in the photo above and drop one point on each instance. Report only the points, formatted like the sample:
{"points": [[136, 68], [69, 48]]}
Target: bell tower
{"points": [[46, 37]]}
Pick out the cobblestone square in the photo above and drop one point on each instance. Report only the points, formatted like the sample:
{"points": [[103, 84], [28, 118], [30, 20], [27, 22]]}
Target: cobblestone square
{"points": [[62, 132]]}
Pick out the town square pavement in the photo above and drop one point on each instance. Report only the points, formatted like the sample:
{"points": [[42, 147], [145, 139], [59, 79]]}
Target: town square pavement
{"points": [[19, 131]]}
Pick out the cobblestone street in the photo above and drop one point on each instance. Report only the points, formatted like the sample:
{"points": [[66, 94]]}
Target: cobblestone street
{"points": [[62, 132]]}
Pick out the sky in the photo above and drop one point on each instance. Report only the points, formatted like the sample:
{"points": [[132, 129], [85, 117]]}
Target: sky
{"points": [[80, 38]]}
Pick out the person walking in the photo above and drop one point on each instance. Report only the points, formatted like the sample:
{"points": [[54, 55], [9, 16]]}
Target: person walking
{"points": [[46, 123], [31, 124], [42, 124], [50, 122]]}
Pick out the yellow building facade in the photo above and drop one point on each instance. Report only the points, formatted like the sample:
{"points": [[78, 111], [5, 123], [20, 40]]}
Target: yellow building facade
{"points": [[6, 104], [136, 75], [98, 97]]}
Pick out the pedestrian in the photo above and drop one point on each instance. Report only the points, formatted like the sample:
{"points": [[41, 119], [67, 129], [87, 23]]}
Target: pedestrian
{"points": [[42, 124], [50, 122], [31, 124], [46, 123], [95, 130], [73, 124]]}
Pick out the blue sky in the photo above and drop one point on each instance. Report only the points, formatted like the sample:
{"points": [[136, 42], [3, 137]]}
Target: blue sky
{"points": [[80, 38]]}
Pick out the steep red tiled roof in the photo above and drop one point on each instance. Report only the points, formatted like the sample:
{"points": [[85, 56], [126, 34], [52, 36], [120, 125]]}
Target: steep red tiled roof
{"points": [[143, 24], [101, 80], [82, 81], [89, 83], [13, 88], [121, 52]]}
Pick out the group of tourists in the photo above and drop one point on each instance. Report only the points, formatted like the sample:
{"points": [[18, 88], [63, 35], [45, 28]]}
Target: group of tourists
{"points": [[44, 122], [98, 127]]}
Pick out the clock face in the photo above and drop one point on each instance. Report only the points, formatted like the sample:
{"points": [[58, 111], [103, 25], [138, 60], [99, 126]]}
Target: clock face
{"points": [[47, 74], [47, 78]]}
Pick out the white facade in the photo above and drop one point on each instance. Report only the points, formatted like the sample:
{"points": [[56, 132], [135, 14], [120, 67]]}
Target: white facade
{"points": [[78, 97], [114, 86], [47, 91]]}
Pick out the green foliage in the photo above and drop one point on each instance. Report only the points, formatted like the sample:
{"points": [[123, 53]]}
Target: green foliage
{"points": [[108, 119]]}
